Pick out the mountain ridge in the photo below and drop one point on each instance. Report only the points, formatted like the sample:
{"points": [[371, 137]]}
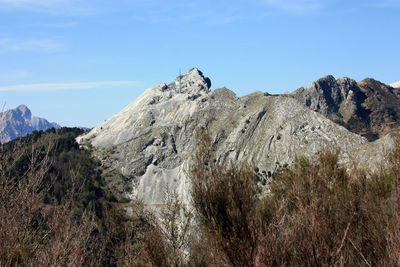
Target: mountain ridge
{"points": [[153, 139]]}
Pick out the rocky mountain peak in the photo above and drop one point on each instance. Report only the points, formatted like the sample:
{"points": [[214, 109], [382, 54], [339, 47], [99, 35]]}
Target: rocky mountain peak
{"points": [[337, 88], [193, 82], [326, 94], [329, 79]]}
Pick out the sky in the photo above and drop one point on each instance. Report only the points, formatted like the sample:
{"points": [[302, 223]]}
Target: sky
{"points": [[78, 62]]}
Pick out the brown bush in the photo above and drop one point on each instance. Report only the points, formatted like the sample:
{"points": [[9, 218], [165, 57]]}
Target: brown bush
{"points": [[324, 216], [224, 196], [316, 214], [394, 233], [168, 237]]}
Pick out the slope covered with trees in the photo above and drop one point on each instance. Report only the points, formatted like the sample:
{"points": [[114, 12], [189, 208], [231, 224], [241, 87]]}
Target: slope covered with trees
{"points": [[55, 209]]}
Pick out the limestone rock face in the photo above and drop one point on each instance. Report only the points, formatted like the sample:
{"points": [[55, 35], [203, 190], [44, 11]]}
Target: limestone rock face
{"points": [[19, 122], [369, 108], [152, 140]]}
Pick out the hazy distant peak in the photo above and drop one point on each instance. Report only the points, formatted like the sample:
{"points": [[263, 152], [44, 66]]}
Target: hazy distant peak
{"points": [[24, 111], [22, 107], [19, 122]]}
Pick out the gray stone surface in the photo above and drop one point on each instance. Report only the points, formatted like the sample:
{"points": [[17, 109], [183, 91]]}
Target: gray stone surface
{"points": [[372, 156], [153, 139]]}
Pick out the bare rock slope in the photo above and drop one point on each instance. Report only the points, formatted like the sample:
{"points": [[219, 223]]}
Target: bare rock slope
{"points": [[372, 156], [152, 140]]}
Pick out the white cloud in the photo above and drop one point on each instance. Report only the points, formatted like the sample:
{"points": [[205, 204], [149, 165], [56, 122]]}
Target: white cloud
{"points": [[40, 45], [67, 86]]}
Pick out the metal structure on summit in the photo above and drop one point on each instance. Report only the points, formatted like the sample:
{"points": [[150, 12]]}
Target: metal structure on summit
{"points": [[180, 78]]}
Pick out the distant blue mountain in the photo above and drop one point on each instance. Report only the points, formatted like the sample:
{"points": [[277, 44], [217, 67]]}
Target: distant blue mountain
{"points": [[20, 122]]}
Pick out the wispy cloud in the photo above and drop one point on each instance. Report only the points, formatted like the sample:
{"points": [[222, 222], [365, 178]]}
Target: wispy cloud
{"points": [[10, 76], [384, 3], [68, 86], [19, 2], [38, 45], [58, 24], [50, 7], [312, 5], [297, 5], [205, 11]]}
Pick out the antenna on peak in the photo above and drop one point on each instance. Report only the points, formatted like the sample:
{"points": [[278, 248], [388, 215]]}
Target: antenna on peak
{"points": [[180, 78]]}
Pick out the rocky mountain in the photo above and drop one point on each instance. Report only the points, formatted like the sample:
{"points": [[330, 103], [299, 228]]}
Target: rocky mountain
{"points": [[20, 122], [369, 108], [152, 140]]}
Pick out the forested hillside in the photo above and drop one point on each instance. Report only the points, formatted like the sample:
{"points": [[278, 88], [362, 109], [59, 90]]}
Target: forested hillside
{"points": [[55, 208]]}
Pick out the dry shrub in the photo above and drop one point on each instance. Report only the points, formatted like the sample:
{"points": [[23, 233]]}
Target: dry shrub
{"points": [[394, 233], [168, 238], [316, 214], [224, 196], [155, 250], [324, 216], [132, 238]]}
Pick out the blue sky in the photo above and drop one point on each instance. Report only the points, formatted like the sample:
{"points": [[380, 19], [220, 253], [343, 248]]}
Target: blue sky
{"points": [[78, 62]]}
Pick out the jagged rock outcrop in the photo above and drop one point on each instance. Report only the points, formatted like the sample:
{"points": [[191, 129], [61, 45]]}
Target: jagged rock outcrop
{"points": [[20, 122], [152, 140], [369, 108]]}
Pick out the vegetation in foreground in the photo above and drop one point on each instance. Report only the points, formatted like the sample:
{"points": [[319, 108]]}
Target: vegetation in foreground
{"points": [[55, 209]]}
